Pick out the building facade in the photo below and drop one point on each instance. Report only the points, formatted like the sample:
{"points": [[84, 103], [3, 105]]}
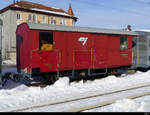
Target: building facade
{"points": [[24, 11]]}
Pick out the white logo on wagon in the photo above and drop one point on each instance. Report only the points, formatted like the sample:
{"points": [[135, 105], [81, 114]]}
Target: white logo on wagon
{"points": [[83, 39]]}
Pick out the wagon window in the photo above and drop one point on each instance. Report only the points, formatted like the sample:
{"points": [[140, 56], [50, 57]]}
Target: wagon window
{"points": [[123, 43], [46, 41]]}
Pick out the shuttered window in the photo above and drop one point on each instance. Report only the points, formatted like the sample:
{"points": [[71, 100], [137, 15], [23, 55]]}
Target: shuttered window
{"points": [[123, 42]]}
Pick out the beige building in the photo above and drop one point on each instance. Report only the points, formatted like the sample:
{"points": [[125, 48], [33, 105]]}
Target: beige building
{"points": [[24, 11]]}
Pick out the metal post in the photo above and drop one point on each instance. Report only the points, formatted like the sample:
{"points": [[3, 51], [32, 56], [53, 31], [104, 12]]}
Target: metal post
{"points": [[1, 24]]}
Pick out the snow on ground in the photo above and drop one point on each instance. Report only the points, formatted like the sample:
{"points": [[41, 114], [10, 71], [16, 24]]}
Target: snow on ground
{"points": [[9, 62], [126, 105], [15, 95]]}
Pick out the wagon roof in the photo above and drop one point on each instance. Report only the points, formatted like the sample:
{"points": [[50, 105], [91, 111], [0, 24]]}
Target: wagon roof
{"points": [[79, 29], [142, 30]]}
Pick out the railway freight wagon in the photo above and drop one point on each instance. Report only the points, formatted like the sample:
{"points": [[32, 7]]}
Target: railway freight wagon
{"points": [[141, 50], [52, 51]]}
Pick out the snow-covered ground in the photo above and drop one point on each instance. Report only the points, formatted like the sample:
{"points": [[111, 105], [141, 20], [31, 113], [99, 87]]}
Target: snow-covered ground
{"points": [[15, 95], [127, 105], [9, 62]]}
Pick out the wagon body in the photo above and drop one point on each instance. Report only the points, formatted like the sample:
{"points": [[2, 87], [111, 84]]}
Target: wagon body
{"points": [[71, 48]]}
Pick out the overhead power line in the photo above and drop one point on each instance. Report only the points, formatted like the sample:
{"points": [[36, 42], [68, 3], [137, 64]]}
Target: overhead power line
{"points": [[139, 1], [114, 8]]}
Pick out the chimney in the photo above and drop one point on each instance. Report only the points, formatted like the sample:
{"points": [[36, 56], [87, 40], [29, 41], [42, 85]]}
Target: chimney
{"points": [[129, 28]]}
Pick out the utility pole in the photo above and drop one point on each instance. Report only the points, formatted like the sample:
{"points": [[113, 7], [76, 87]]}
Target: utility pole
{"points": [[14, 1], [1, 24], [149, 3]]}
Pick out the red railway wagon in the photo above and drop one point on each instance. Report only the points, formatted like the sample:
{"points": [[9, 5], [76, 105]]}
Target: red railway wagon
{"points": [[48, 49]]}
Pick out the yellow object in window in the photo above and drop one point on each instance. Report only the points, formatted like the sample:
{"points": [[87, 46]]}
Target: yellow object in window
{"points": [[47, 47]]}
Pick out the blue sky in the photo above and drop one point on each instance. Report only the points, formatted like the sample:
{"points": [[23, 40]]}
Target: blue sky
{"points": [[103, 13]]}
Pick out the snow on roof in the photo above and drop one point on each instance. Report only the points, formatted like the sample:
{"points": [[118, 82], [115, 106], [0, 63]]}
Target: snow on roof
{"points": [[54, 7], [48, 11], [16, 5]]}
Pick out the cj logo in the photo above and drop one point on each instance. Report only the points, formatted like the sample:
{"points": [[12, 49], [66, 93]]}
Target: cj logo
{"points": [[83, 39]]}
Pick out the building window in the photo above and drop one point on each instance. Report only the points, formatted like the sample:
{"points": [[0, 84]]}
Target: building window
{"points": [[123, 42], [52, 20], [46, 41], [44, 19], [73, 22], [34, 19], [18, 16], [63, 21], [29, 17]]}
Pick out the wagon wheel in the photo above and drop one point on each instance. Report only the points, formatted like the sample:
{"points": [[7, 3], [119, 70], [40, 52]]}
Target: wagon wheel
{"points": [[16, 78], [54, 78], [47, 79], [3, 82], [51, 79]]}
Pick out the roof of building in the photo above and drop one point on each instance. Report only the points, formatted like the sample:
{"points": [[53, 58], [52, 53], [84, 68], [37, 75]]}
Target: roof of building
{"points": [[35, 7], [80, 29]]}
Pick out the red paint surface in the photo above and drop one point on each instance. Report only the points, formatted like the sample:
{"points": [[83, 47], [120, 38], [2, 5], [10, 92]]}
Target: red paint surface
{"points": [[99, 51]]}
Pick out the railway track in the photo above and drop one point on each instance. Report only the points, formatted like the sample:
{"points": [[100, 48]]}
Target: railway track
{"points": [[84, 102], [36, 84]]}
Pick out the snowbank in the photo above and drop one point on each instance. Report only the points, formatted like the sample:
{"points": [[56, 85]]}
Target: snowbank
{"points": [[125, 105], [16, 94], [9, 62]]}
